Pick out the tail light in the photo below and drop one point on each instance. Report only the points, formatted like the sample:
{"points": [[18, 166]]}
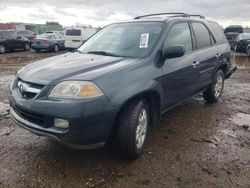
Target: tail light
{"points": [[46, 42]]}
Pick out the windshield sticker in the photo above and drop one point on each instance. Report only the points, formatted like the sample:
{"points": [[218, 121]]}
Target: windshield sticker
{"points": [[144, 40]]}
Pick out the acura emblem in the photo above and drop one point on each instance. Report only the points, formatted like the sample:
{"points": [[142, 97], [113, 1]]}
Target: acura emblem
{"points": [[21, 89]]}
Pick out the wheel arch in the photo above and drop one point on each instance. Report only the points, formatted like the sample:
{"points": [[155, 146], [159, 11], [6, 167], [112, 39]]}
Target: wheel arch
{"points": [[154, 101], [224, 68]]}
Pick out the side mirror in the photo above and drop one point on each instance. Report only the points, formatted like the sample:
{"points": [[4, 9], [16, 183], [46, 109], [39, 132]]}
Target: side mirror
{"points": [[173, 51], [18, 37]]}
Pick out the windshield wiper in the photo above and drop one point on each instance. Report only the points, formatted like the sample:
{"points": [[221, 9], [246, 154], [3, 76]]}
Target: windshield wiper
{"points": [[102, 53]]}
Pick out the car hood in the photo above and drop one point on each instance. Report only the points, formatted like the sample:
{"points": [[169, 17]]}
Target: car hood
{"points": [[72, 66]]}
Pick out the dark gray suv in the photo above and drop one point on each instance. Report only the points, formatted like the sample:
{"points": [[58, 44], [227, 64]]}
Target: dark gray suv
{"points": [[121, 80]]}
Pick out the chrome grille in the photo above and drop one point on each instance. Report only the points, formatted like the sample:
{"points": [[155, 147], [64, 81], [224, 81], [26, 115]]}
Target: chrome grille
{"points": [[28, 90]]}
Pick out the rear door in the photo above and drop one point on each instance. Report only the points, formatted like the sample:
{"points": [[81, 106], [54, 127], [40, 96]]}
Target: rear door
{"points": [[222, 46], [180, 75], [207, 53]]}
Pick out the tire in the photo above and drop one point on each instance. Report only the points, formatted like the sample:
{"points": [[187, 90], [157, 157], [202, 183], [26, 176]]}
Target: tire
{"points": [[27, 46], [2, 49], [236, 48], [133, 127], [38, 50], [215, 90], [56, 48], [248, 51]]}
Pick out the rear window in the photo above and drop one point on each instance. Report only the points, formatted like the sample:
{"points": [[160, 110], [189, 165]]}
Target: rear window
{"points": [[73, 32], [217, 32], [234, 30], [45, 36]]}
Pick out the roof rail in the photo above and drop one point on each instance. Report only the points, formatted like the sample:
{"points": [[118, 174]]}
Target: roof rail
{"points": [[197, 15], [161, 14]]}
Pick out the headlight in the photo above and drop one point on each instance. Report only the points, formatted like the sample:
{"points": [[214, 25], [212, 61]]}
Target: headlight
{"points": [[19, 71], [75, 90]]}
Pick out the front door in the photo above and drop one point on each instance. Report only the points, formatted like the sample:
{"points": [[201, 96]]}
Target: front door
{"points": [[180, 75]]}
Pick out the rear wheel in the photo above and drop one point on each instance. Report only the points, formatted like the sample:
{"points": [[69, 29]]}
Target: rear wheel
{"points": [[56, 48], [2, 49], [26, 46], [214, 92], [132, 130]]}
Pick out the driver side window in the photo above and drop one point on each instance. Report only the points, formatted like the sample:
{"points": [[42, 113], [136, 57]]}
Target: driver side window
{"points": [[179, 34]]}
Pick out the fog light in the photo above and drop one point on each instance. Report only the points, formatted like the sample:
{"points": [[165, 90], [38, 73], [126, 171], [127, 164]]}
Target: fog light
{"points": [[61, 123]]}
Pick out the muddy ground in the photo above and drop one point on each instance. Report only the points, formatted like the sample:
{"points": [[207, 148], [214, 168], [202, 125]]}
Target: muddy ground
{"points": [[197, 145]]}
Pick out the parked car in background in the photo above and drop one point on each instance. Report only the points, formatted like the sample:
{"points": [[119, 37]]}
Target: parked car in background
{"points": [[74, 37], [27, 33], [242, 42], [232, 33], [121, 80], [10, 40], [49, 42]]}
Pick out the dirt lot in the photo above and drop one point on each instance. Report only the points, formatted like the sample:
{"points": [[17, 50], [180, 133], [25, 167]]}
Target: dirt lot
{"points": [[197, 145]]}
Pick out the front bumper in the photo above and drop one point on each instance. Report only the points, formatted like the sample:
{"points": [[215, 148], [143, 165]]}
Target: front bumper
{"points": [[90, 121]]}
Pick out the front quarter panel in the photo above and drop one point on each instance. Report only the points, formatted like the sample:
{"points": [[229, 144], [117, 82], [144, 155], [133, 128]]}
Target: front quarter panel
{"points": [[124, 84]]}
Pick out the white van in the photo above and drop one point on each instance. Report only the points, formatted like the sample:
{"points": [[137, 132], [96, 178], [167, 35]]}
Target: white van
{"points": [[74, 37]]}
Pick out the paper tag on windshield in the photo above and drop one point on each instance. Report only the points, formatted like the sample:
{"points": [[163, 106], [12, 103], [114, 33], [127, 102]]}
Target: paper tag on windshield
{"points": [[144, 40]]}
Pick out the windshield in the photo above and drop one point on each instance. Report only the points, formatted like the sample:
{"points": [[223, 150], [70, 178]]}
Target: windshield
{"points": [[244, 36], [125, 40]]}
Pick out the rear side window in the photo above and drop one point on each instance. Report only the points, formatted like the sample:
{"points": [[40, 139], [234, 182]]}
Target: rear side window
{"points": [[73, 32], [179, 34], [202, 35], [7, 34], [217, 32]]}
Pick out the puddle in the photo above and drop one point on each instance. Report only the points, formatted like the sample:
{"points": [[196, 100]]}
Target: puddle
{"points": [[242, 119], [242, 61], [3, 109]]}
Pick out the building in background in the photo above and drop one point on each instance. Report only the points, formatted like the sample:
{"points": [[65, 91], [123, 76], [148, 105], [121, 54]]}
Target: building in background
{"points": [[36, 28], [7, 26]]}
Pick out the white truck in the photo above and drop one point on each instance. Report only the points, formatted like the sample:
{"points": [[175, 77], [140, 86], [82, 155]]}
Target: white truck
{"points": [[74, 37]]}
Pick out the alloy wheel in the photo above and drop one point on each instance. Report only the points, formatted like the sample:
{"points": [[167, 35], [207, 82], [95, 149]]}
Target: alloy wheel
{"points": [[218, 86], [141, 129]]}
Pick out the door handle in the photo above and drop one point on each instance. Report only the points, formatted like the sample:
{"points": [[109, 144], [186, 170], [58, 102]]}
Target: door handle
{"points": [[217, 56], [195, 63]]}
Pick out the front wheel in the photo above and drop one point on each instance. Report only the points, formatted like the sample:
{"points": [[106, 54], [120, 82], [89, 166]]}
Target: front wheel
{"points": [[214, 92], [2, 49], [132, 130]]}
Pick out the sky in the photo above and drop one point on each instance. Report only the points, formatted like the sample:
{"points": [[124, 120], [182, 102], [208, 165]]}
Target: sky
{"points": [[102, 12]]}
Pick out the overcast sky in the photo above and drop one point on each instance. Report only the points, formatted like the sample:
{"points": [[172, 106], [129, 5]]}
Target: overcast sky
{"points": [[102, 12]]}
